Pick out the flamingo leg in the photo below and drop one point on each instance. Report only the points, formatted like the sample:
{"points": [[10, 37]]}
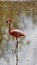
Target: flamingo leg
{"points": [[17, 52]]}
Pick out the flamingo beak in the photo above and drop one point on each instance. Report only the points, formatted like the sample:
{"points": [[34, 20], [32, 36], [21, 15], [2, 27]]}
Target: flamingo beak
{"points": [[7, 21]]}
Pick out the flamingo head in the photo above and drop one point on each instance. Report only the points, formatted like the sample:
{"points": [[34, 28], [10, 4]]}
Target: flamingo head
{"points": [[8, 20]]}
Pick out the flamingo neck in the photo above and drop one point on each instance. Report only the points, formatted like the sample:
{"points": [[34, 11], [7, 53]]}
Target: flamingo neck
{"points": [[9, 26]]}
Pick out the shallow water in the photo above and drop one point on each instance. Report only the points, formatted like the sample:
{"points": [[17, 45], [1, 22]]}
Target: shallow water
{"points": [[28, 54]]}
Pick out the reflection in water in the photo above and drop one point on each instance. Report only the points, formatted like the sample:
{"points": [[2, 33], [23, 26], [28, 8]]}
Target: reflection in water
{"points": [[27, 55]]}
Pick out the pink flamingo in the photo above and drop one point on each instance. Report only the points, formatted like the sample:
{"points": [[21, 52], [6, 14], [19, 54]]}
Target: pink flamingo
{"points": [[16, 33]]}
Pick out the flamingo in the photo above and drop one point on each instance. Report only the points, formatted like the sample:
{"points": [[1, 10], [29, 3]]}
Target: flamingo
{"points": [[16, 33]]}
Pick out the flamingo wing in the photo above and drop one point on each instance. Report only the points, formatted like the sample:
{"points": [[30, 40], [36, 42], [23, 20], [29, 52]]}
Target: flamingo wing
{"points": [[16, 33]]}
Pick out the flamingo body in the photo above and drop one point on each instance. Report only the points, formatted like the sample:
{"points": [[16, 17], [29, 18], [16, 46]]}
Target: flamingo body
{"points": [[16, 33]]}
